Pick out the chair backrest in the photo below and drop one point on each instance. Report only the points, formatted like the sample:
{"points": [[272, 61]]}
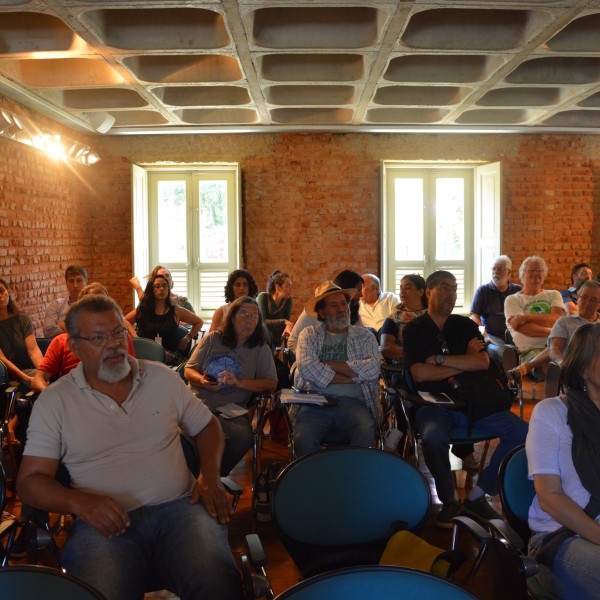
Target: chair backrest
{"points": [[148, 349], [181, 370], [43, 343], [368, 582], [29, 581], [552, 380], [516, 490], [342, 498]]}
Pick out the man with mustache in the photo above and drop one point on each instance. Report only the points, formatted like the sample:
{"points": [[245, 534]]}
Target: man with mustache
{"points": [[114, 421], [341, 361]]}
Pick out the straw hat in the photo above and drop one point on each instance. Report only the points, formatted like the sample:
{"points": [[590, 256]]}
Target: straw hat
{"points": [[326, 289]]}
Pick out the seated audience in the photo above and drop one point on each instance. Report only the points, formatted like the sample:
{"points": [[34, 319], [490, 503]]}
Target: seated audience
{"points": [[531, 313], [563, 453], [18, 347], [276, 306], [157, 318], [54, 319], [580, 274], [346, 279], [239, 284], [114, 422], [487, 308], [59, 359], [175, 299], [446, 350], [413, 304], [375, 305], [226, 368], [342, 362]]}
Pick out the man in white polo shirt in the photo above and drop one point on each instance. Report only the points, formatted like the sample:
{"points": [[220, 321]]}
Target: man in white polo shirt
{"points": [[375, 305], [114, 421]]}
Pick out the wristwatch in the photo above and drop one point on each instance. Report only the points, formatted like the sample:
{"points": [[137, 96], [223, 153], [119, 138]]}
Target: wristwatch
{"points": [[439, 359]]}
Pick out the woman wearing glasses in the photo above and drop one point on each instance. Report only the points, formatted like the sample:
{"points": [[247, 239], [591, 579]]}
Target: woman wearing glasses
{"points": [[157, 318], [226, 368]]}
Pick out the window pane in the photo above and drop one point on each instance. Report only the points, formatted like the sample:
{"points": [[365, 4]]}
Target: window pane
{"points": [[408, 225], [213, 222], [172, 246], [450, 219]]}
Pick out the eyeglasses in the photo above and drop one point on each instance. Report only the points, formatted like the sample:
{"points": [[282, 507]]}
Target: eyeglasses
{"points": [[534, 270], [589, 299], [161, 286], [248, 315], [100, 340], [499, 270], [443, 343]]}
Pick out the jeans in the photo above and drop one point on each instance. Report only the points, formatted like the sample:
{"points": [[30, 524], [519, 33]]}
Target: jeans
{"points": [[349, 420], [435, 423], [575, 574], [238, 440], [175, 545]]}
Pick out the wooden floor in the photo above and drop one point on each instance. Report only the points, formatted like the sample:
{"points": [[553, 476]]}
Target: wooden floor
{"points": [[281, 569]]}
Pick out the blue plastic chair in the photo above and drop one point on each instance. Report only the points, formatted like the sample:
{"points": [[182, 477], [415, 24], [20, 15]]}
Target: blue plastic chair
{"points": [[148, 349], [516, 490], [338, 507], [368, 582], [29, 581]]}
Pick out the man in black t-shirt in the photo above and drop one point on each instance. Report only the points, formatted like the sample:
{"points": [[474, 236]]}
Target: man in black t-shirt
{"points": [[439, 346]]}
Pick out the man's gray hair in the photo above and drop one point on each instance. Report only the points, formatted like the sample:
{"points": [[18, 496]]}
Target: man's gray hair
{"points": [[528, 261], [93, 303], [375, 279], [504, 259]]}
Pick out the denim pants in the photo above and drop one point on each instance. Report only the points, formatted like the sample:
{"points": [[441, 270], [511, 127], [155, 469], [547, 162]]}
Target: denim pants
{"points": [[575, 574], [175, 545], [435, 423], [349, 420]]}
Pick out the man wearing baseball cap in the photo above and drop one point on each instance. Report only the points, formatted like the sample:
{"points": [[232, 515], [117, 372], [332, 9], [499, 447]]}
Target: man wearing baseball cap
{"points": [[341, 361]]}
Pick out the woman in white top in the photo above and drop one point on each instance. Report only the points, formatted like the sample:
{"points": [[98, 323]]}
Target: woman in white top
{"points": [[563, 454]]}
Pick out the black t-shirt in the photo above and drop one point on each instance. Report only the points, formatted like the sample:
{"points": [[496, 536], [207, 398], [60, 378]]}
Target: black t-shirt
{"points": [[423, 338]]}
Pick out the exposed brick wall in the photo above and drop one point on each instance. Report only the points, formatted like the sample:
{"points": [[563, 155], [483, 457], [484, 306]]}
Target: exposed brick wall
{"points": [[53, 215], [311, 203]]}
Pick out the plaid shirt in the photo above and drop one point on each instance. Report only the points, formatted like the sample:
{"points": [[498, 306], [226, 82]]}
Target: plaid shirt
{"points": [[363, 358]]}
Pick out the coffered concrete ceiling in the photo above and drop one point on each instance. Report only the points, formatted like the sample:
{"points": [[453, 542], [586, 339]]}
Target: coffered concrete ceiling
{"points": [[123, 67]]}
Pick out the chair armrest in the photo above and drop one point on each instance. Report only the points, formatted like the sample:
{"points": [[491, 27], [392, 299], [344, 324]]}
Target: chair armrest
{"points": [[482, 535], [505, 531], [232, 488]]}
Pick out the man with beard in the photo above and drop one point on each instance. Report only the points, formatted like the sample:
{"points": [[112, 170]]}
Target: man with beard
{"points": [[114, 421], [487, 309], [342, 362]]}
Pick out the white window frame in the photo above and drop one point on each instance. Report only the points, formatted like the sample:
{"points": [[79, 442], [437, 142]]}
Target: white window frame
{"points": [[482, 226], [205, 282]]}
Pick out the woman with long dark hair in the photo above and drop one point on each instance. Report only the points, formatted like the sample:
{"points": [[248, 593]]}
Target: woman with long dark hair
{"points": [[239, 283], [226, 368], [157, 318], [563, 454], [18, 347]]}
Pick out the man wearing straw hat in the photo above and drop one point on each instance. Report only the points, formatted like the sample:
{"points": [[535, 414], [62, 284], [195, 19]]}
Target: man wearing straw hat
{"points": [[341, 361]]}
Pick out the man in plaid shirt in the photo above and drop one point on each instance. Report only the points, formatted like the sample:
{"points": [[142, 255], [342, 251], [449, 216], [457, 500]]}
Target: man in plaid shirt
{"points": [[341, 361]]}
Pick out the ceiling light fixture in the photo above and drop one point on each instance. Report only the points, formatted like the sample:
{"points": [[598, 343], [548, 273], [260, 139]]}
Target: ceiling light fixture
{"points": [[22, 129]]}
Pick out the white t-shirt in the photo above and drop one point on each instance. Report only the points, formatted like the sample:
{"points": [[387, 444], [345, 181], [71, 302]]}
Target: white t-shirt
{"points": [[540, 304], [549, 453]]}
